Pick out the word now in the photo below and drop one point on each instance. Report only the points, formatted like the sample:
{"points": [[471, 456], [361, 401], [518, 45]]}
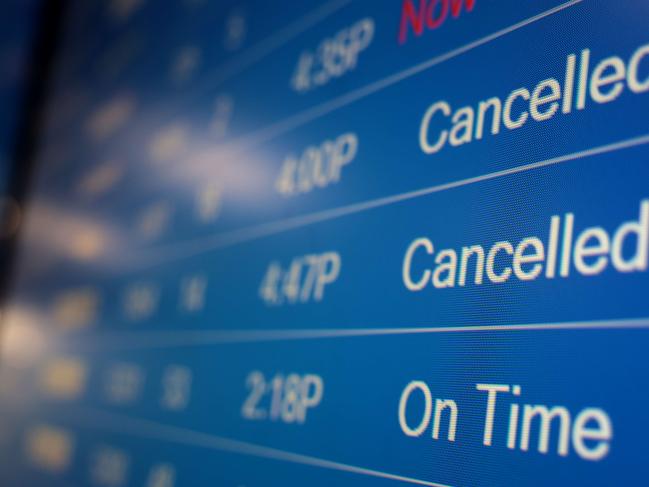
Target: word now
{"points": [[431, 14]]}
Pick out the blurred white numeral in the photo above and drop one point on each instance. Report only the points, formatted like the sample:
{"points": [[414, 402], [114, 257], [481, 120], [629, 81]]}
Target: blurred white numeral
{"points": [[162, 475], [140, 301], [176, 387], [123, 383], [153, 220], [236, 29], [109, 467], [192, 293], [208, 202], [223, 109], [185, 64]]}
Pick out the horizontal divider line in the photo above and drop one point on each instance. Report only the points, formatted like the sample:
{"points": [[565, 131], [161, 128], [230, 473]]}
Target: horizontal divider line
{"points": [[157, 431], [164, 254], [172, 339]]}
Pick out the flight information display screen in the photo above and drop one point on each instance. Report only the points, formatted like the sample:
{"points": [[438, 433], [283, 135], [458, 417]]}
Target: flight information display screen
{"points": [[342, 242]]}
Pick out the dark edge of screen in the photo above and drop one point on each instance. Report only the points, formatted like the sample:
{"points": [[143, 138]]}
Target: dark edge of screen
{"points": [[47, 34]]}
